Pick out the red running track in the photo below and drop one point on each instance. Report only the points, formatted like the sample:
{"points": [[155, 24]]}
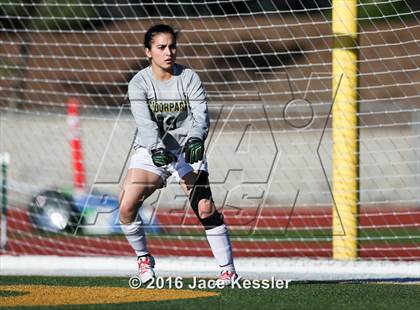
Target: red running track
{"points": [[24, 240]]}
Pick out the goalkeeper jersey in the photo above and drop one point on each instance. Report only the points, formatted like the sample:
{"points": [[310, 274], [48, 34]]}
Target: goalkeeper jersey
{"points": [[167, 113]]}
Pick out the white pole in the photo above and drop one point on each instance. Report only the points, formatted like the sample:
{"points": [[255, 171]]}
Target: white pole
{"points": [[4, 161]]}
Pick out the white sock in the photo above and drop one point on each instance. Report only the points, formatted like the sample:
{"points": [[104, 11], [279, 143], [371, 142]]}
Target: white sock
{"points": [[136, 236], [221, 247]]}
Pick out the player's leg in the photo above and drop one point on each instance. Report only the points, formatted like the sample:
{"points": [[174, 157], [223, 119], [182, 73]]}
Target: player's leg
{"points": [[196, 186], [138, 185]]}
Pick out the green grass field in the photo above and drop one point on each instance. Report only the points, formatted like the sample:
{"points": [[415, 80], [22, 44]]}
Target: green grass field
{"points": [[297, 296]]}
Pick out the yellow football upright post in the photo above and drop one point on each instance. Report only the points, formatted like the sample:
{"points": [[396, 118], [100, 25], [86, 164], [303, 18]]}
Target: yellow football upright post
{"points": [[345, 130]]}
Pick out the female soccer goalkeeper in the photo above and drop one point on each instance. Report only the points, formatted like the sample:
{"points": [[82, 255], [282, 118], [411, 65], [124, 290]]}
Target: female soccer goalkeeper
{"points": [[169, 105]]}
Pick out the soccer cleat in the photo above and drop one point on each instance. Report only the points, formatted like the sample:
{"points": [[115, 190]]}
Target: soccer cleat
{"points": [[146, 265], [226, 277]]}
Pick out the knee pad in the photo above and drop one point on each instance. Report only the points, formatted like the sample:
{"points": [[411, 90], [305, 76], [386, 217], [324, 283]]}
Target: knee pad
{"points": [[212, 221], [201, 190]]}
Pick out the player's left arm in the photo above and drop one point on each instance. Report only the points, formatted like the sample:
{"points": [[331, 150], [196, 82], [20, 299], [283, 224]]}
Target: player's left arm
{"points": [[197, 98], [194, 147]]}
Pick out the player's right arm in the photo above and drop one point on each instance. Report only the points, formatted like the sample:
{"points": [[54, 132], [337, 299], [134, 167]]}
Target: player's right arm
{"points": [[148, 129]]}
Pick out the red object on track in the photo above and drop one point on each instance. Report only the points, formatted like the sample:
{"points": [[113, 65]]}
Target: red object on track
{"points": [[73, 121]]}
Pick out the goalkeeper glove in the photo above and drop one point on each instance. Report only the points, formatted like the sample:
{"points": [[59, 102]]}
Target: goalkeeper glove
{"points": [[162, 157], [194, 150]]}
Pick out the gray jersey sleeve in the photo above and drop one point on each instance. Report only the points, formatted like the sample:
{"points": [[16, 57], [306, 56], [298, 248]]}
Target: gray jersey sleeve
{"points": [[198, 105], [147, 128]]}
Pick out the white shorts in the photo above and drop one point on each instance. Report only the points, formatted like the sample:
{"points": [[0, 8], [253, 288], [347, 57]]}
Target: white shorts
{"points": [[141, 159]]}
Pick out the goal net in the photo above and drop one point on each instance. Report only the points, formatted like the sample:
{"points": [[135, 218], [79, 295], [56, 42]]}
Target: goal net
{"points": [[267, 69]]}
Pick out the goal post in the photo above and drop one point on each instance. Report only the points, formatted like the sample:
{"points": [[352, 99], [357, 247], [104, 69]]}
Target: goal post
{"points": [[345, 129]]}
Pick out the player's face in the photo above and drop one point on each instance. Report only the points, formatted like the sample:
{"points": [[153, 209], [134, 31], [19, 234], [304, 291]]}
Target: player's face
{"points": [[162, 52]]}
